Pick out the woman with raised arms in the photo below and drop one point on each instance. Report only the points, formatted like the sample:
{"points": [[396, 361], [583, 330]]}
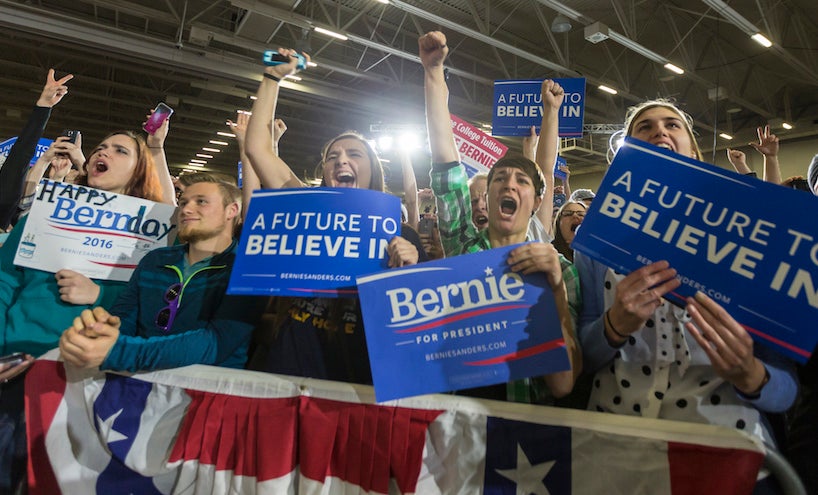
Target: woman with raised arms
{"points": [[319, 337]]}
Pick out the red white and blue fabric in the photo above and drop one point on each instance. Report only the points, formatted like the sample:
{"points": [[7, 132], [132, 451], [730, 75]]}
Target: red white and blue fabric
{"points": [[203, 430]]}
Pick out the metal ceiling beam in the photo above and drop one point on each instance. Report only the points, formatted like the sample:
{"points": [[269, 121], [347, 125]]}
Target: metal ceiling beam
{"points": [[750, 29]]}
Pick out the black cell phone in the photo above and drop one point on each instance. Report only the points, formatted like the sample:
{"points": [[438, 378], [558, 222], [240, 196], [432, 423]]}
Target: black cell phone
{"points": [[425, 226], [11, 360], [71, 134]]}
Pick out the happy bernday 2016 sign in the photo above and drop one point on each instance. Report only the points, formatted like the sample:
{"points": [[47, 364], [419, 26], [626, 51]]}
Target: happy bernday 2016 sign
{"points": [[313, 241], [458, 323], [732, 237], [100, 234]]}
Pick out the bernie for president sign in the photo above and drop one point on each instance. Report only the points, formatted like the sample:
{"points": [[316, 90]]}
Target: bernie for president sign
{"points": [[458, 323]]}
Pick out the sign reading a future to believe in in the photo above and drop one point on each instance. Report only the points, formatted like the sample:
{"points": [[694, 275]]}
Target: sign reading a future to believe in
{"points": [[731, 237], [518, 106], [313, 241]]}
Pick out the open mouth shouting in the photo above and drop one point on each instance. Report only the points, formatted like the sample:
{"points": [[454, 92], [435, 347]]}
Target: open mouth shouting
{"points": [[508, 206], [344, 178], [98, 168], [480, 221]]}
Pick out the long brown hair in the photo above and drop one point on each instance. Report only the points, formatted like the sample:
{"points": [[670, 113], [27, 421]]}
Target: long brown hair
{"points": [[144, 182]]}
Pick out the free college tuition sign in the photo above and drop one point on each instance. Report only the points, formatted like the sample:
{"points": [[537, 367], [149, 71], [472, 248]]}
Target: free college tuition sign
{"points": [[458, 323], [518, 106], [313, 241], [100, 234], [478, 151], [735, 238]]}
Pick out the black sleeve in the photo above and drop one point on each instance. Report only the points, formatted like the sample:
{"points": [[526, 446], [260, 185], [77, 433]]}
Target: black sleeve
{"points": [[411, 235], [15, 167]]}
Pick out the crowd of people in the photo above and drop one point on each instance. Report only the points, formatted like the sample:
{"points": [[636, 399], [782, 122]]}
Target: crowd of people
{"points": [[630, 351]]}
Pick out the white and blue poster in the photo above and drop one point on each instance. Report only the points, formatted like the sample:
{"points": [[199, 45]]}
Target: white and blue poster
{"points": [[732, 237], [313, 241], [478, 151], [100, 234], [5, 149], [458, 323], [518, 106]]}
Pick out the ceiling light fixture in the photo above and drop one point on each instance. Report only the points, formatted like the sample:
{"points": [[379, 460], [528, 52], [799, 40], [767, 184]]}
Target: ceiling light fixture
{"points": [[198, 161], [608, 89], [218, 143], [786, 125], [739, 21], [214, 150], [725, 136], [226, 134], [561, 24], [202, 155], [762, 40], [674, 68], [340, 36]]}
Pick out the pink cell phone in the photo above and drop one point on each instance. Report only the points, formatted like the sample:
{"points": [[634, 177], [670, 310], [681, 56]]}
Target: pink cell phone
{"points": [[159, 116]]}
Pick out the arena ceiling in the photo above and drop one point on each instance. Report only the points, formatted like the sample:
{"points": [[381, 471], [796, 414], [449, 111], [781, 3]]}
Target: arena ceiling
{"points": [[203, 58]]}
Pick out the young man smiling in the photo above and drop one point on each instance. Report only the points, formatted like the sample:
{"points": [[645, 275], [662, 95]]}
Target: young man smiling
{"points": [[174, 311]]}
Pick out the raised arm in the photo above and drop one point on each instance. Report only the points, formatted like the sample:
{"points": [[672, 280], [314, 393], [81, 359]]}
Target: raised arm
{"points": [[410, 188], [249, 179], [15, 167], [768, 146], [271, 169], [156, 143], [552, 97], [738, 160], [433, 50]]}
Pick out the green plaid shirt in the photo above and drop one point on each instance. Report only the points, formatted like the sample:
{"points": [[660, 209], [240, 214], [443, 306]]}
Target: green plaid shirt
{"points": [[459, 236]]}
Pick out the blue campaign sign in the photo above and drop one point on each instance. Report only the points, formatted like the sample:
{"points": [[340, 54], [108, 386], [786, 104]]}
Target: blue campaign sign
{"points": [[518, 106], [559, 173], [42, 146], [458, 323], [731, 237], [313, 241]]}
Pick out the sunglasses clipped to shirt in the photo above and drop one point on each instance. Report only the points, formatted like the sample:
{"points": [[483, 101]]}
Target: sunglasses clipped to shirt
{"points": [[166, 315]]}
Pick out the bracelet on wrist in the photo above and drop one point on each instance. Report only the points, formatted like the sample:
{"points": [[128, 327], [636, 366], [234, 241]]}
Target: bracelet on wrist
{"points": [[270, 76], [612, 327]]}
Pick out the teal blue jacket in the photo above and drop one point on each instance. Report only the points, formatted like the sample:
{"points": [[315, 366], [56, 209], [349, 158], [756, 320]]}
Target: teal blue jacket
{"points": [[32, 315], [209, 327]]}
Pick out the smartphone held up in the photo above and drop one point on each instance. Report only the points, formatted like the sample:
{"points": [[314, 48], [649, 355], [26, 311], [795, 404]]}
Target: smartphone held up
{"points": [[158, 117], [272, 57]]}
